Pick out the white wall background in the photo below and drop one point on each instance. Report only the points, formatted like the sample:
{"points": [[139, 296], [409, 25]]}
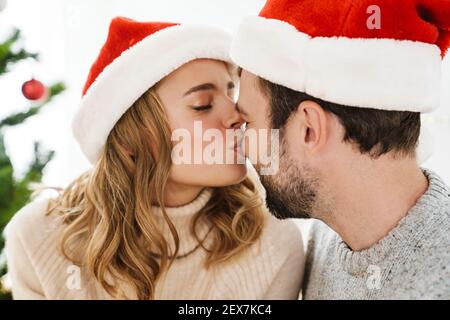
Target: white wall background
{"points": [[68, 35]]}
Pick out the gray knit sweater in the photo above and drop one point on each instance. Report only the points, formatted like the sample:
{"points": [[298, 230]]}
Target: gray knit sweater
{"points": [[411, 262]]}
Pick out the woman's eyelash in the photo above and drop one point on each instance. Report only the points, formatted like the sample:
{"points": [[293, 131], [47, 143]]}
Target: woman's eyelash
{"points": [[202, 108]]}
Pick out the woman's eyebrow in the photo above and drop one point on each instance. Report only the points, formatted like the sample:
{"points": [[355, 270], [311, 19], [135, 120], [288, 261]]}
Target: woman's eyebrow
{"points": [[208, 86], [201, 87]]}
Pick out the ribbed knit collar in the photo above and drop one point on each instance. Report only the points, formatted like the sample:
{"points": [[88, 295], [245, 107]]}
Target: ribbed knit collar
{"points": [[182, 217], [416, 226]]}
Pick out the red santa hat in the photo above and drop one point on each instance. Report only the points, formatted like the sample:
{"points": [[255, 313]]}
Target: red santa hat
{"points": [[381, 54], [136, 56]]}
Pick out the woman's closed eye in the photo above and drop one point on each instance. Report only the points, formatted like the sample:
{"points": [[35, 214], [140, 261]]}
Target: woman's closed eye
{"points": [[202, 108]]}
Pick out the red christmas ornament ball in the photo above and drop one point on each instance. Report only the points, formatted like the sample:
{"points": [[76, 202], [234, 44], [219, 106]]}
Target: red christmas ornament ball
{"points": [[33, 89]]}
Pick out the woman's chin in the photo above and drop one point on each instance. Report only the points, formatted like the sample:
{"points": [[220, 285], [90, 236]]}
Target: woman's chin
{"points": [[218, 175], [224, 175], [231, 174]]}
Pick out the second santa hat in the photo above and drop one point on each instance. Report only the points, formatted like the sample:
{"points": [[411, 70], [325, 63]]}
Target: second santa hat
{"points": [[331, 50]]}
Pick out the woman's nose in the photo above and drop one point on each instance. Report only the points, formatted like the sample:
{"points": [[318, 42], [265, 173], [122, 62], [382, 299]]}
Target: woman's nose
{"points": [[233, 119]]}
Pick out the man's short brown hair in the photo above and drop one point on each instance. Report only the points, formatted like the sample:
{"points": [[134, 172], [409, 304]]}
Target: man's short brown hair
{"points": [[375, 132]]}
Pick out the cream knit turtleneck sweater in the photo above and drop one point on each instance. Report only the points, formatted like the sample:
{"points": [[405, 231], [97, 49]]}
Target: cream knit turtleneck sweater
{"points": [[271, 269]]}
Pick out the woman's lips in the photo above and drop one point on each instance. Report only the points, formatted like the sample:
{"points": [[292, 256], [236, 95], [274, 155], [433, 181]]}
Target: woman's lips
{"points": [[237, 147]]}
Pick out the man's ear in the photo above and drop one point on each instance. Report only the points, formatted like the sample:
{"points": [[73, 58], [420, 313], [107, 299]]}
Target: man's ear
{"points": [[313, 121]]}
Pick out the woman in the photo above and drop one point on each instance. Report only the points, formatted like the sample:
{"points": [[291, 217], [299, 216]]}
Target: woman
{"points": [[138, 226]]}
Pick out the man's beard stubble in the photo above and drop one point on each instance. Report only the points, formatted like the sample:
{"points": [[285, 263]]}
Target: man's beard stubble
{"points": [[291, 192]]}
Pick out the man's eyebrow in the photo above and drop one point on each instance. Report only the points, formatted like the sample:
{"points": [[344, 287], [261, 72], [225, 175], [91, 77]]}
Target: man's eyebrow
{"points": [[201, 87], [238, 109], [239, 72]]}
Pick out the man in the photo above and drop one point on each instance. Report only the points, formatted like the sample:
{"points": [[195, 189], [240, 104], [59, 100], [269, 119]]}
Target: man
{"points": [[345, 82]]}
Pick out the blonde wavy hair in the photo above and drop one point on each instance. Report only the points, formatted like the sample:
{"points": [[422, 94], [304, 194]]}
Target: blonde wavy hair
{"points": [[109, 228]]}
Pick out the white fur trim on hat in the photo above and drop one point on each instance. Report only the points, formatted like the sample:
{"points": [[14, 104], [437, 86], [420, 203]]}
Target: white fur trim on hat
{"points": [[370, 73], [135, 71]]}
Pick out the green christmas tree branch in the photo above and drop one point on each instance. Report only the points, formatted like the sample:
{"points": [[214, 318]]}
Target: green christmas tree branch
{"points": [[20, 117], [16, 192], [9, 56]]}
